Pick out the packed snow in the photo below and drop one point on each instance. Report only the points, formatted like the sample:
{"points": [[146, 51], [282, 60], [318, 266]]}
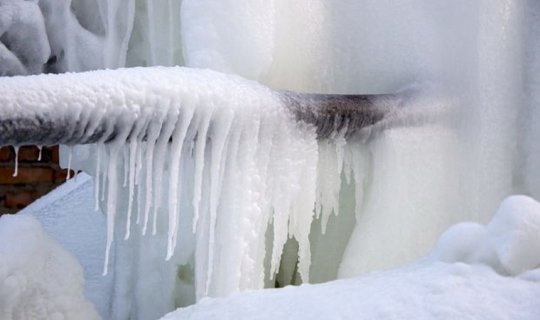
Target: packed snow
{"points": [[475, 272], [39, 279]]}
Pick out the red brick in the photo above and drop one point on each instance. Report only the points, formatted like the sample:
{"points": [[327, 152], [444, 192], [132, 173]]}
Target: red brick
{"points": [[26, 175], [28, 153], [55, 157], [5, 154], [18, 200], [60, 176]]}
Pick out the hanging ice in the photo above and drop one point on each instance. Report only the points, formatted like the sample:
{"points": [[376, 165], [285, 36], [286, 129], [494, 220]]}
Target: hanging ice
{"points": [[395, 193]]}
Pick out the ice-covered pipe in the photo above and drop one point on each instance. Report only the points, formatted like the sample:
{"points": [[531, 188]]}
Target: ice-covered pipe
{"points": [[97, 106]]}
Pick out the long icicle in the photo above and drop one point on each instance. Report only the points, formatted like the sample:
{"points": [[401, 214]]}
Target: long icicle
{"points": [[175, 176]]}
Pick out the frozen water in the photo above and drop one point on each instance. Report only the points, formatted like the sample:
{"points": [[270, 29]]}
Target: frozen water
{"points": [[40, 280], [235, 163]]}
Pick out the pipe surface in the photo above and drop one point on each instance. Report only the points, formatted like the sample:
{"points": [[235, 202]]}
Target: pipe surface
{"points": [[79, 108]]}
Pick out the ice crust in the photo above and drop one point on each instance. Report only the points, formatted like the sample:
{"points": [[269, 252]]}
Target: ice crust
{"points": [[39, 279]]}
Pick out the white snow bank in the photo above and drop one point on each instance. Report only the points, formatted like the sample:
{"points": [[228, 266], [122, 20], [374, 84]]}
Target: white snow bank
{"points": [[425, 290], [459, 280], [510, 243], [38, 279], [68, 215]]}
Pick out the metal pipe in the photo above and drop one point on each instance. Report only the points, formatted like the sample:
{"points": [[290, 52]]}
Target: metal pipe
{"points": [[43, 124]]}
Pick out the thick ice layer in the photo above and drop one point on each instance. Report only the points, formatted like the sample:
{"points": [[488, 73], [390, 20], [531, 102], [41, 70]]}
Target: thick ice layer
{"points": [[39, 279]]}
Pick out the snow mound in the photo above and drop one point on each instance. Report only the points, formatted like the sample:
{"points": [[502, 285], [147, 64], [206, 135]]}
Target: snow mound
{"points": [[38, 279], [424, 290], [465, 277], [510, 243]]}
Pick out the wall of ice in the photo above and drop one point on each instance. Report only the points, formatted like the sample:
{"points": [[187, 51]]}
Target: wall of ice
{"points": [[395, 193]]}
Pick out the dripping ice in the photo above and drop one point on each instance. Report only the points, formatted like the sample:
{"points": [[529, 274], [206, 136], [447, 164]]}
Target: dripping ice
{"points": [[220, 161]]}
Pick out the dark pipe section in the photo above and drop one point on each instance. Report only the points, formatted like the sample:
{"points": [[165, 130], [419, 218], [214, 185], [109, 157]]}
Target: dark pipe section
{"points": [[328, 113], [331, 113]]}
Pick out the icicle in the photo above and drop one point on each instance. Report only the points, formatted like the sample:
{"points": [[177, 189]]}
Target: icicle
{"points": [[200, 146], [16, 170], [98, 174], [126, 167], [161, 147], [153, 134], [70, 156], [178, 138], [112, 175], [138, 171], [131, 188], [40, 148], [219, 139]]}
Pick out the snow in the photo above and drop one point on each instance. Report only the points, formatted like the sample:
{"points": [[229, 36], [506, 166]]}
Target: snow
{"points": [[241, 196], [40, 280], [460, 279], [67, 215], [426, 290], [24, 45]]}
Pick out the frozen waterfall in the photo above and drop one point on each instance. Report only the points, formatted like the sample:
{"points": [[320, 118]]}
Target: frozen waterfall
{"points": [[225, 192]]}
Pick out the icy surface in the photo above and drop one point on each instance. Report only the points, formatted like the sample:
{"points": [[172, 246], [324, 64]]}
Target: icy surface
{"points": [[235, 166], [67, 214], [40, 280], [462, 278]]}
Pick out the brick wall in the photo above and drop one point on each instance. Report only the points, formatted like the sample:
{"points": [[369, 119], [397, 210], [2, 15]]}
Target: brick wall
{"points": [[34, 179]]}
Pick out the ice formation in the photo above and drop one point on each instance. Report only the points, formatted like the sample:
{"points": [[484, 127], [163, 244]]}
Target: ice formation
{"points": [[39, 279], [235, 155], [237, 163]]}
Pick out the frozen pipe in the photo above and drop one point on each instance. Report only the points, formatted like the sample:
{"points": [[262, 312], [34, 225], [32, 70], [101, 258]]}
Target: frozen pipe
{"points": [[77, 108]]}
